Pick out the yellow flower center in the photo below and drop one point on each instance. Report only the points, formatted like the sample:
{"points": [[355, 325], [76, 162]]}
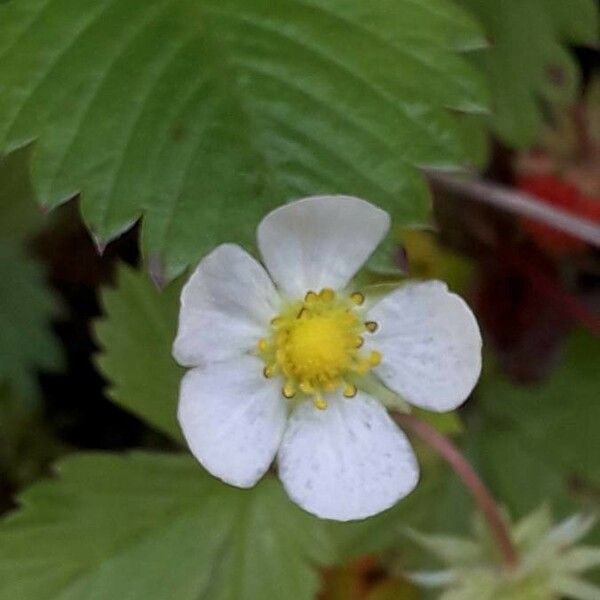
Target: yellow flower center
{"points": [[315, 346]]}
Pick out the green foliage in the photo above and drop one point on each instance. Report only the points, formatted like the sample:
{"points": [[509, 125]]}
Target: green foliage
{"points": [[19, 214], [136, 334], [202, 114], [518, 476], [26, 443], [527, 62], [557, 420], [26, 305], [147, 527]]}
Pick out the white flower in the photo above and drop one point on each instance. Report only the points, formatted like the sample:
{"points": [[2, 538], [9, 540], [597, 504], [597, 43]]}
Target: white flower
{"points": [[278, 357]]}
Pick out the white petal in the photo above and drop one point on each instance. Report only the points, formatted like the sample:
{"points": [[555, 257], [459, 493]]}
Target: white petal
{"points": [[232, 418], [226, 306], [349, 461], [320, 241], [430, 345]]}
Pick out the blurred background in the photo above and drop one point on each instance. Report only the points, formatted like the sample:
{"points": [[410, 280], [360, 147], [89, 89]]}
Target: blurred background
{"points": [[75, 301]]}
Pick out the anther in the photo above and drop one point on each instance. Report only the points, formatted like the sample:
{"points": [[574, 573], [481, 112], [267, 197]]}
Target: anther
{"points": [[327, 294], [276, 321], [371, 326], [358, 342], [375, 358], [263, 344], [320, 402], [269, 371], [357, 298], [350, 390], [310, 297], [288, 390]]}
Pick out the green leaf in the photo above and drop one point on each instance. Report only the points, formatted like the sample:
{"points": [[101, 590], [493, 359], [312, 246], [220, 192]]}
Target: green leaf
{"points": [[19, 213], [519, 477], [528, 61], [147, 527], [26, 309], [27, 306], [136, 334], [557, 420], [202, 114], [27, 444]]}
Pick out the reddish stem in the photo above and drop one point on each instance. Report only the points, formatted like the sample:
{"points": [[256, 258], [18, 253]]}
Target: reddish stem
{"points": [[484, 499], [517, 202]]}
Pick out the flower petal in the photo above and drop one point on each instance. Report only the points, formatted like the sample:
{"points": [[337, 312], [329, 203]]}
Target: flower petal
{"points": [[232, 418], [319, 242], [430, 345], [349, 461], [226, 306]]}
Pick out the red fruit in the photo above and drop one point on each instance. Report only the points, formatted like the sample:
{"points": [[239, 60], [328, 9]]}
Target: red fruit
{"points": [[556, 192]]}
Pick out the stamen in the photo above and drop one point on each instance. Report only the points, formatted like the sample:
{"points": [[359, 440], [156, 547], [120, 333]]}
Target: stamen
{"points": [[319, 402], [357, 298], [371, 326], [327, 294], [269, 371], [315, 344], [289, 390], [350, 390], [375, 358]]}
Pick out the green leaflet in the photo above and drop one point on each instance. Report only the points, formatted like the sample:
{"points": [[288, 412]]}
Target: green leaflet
{"points": [[152, 526], [26, 307], [135, 335], [19, 214], [201, 115], [527, 62], [557, 420], [26, 304]]}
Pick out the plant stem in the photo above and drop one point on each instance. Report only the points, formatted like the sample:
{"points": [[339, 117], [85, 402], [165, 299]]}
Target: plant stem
{"points": [[517, 202], [484, 499]]}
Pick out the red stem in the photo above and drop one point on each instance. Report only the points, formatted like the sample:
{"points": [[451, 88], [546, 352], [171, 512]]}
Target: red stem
{"points": [[516, 202], [484, 499]]}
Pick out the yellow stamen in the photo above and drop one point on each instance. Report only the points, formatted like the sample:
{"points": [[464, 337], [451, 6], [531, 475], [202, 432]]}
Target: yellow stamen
{"points": [[350, 390], [326, 294], [320, 402], [371, 326], [375, 358], [269, 371], [289, 390], [316, 343]]}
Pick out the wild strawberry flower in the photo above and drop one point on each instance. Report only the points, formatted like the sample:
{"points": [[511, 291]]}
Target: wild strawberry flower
{"points": [[280, 357]]}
